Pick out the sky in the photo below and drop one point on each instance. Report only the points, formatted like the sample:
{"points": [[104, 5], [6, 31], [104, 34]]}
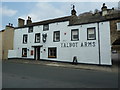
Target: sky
{"points": [[39, 11]]}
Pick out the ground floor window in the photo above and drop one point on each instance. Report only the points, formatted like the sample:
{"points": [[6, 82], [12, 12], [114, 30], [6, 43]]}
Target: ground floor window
{"points": [[24, 52], [52, 52]]}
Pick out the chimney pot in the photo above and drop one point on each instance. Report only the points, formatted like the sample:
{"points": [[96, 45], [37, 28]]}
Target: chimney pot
{"points": [[11, 25], [29, 21]]}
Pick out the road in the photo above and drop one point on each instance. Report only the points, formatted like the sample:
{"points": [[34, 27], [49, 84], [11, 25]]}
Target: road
{"points": [[16, 75]]}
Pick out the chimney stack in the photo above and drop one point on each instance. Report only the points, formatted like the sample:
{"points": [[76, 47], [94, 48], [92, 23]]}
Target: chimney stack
{"points": [[73, 11], [9, 26], [29, 21], [21, 22], [104, 10]]}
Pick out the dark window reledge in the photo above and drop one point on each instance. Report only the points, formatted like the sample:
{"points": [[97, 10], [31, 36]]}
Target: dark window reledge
{"points": [[25, 38], [91, 34], [30, 29], [37, 38], [74, 34], [24, 52], [52, 52], [45, 27], [56, 37]]}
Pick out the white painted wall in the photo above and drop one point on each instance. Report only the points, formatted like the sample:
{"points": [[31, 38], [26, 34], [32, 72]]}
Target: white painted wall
{"points": [[88, 55], [12, 54], [105, 44]]}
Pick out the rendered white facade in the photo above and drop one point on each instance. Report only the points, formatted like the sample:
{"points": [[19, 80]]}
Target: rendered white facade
{"points": [[98, 52]]}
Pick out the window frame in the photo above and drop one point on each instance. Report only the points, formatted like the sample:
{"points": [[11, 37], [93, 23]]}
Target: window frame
{"points": [[54, 36], [45, 26], [29, 29], [72, 34], [25, 35], [22, 52], [39, 37], [55, 52], [118, 26], [94, 33]]}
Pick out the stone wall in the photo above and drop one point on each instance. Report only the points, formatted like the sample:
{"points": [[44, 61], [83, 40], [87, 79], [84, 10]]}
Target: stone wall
{"points": [[114, 34], [1, 45], [8, 36]]}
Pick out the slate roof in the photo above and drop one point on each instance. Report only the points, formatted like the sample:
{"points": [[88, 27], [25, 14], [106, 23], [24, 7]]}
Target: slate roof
{"points": [[81, 19], [61, 19], [92, 18], [116, 42]]}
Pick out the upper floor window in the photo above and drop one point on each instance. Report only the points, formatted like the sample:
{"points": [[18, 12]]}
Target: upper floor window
{"points": [[56, 37], [91, 35], [74, 34], [25, 38], [118, 26], [45, 27], [30, 29], [37, 38], [24, 52]]}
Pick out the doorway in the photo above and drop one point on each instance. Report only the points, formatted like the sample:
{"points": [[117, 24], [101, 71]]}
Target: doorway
{"points": [[37, 53]]}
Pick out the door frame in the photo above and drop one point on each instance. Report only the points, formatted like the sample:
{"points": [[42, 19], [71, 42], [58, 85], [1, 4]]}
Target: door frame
{"points": [[37, 53]]}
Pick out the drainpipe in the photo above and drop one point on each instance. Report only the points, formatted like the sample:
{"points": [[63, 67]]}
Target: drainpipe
{"points": [[99, 43]]}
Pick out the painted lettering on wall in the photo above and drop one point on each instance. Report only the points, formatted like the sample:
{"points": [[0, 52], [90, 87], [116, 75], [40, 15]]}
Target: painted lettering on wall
{"points": [[87, 44], [76, 44]]}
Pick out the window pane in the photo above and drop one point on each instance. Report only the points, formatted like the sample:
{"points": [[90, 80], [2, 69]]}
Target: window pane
{"points": [[46, 27], [24, 52], [118, 26], [24, 38], [56, 36], [75, 34], [30, 29], [91, 33], [52, 52], [37, 37]]}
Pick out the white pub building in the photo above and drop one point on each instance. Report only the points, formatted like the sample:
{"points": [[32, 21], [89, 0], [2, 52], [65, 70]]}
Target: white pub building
{"points": [[83, 39]]}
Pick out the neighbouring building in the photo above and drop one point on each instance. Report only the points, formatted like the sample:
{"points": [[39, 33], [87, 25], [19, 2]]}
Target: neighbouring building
{"points": [[86, 38], [6, 40], [1, 32]]}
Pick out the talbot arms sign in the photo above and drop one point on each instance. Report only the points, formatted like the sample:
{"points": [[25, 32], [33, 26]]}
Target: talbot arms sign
{"points": [[77, 44]]}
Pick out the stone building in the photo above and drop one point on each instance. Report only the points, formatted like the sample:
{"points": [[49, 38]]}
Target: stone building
{"points": [[6, 40], [1, 33]]}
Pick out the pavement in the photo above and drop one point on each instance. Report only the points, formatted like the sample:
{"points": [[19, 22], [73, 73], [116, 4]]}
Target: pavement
{"points": [[113, 68]]}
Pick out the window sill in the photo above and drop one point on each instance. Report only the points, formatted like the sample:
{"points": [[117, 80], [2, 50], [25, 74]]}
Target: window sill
{"points": [[24, 56], [56, 41], [75, 40], [51, 56], [37, 42]]}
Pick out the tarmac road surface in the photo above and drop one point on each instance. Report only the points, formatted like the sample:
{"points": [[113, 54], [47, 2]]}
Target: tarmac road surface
{"points": [[16, 75]]}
